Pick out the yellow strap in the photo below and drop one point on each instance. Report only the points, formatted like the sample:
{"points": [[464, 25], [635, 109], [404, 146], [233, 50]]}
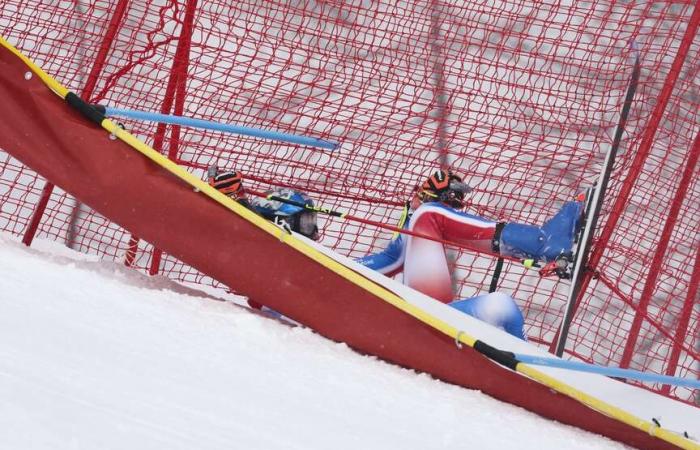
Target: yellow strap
{"points": [[402, 220], [608, 409]]}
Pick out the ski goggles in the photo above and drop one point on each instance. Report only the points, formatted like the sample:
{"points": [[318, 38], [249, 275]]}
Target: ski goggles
{"points": [[305, 223], [454, 194], [459, 188]]}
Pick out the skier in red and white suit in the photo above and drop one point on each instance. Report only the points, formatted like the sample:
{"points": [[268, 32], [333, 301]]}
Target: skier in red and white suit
{"points": [[435, 211]]}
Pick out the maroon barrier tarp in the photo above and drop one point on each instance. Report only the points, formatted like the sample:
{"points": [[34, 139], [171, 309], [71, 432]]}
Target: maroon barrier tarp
{"points": [[41, 130]]}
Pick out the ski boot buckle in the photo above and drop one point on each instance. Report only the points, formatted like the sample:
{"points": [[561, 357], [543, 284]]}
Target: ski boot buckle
{"points": [[560, 267]]}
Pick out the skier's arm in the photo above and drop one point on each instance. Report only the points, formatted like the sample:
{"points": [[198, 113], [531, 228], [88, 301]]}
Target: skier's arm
{"points": [[388, 261]]}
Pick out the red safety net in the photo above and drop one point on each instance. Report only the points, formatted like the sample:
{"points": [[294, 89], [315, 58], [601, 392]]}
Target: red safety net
{"points": [[520, 98]]}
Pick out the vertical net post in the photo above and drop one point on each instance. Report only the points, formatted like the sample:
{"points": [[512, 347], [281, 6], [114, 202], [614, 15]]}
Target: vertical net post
{"points": [[439, 82], [175, 91], [37, 214], [88, 89], [683, 322], [660, 253]]}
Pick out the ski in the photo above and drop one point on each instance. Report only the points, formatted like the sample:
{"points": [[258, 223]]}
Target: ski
{"points": [[583, 247]]}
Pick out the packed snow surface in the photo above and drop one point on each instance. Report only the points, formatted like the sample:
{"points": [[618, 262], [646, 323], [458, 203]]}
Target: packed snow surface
{"points": [[97, 356]]}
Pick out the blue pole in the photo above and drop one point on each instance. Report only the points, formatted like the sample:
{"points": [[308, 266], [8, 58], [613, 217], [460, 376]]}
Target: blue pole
{"points": [[609, 371], [229, 128]]}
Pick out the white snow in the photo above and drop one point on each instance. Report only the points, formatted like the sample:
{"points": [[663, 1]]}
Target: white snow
{"points": [[96, 356]]}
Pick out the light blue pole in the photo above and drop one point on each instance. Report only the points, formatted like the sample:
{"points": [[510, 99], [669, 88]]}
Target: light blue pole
{"points": [[229, 128], [609, 371]]}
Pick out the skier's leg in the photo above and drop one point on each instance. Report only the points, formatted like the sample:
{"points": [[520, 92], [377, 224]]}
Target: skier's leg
{"points": [[553, 238], [425, 264], [497, 309], [426, 270]]}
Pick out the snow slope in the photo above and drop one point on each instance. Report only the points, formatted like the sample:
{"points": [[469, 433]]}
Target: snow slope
{"points": [[95, 356]]}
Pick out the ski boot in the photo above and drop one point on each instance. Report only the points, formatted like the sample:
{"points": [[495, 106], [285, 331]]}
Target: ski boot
{"points": [[563, 264], [551, 244]]}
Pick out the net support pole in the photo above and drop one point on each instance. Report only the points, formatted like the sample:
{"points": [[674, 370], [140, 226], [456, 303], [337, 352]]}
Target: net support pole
{"points": [[89, 88], [439, 83], [40, 208], [617, 372], [683, 322], [178, 119], [660, 253], [176, 88], [38, 213], [438, 76]]}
